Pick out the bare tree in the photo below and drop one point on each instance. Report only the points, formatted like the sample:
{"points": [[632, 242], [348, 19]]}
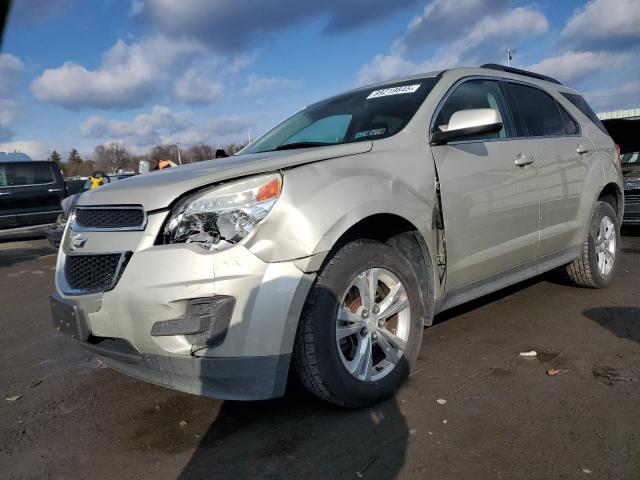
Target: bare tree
{"points": [[199, 153], [112, 157], [162, 152]]}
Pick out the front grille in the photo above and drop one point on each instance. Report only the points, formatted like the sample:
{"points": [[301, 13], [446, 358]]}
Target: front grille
{"points": [[632, 198], [94, 273], [631, 217], [109, 217]]}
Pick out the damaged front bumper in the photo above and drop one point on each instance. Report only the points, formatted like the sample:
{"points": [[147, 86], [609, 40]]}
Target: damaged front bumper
{"points": [[218, 324]]}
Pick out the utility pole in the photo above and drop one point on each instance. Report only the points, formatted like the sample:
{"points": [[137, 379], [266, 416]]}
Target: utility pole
{"points": [[510, 53], [179, 159]]}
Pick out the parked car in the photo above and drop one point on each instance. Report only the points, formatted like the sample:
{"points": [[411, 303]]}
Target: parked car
{"points": [[631, 173], [328, 243], [30, 194], [54, 232]]}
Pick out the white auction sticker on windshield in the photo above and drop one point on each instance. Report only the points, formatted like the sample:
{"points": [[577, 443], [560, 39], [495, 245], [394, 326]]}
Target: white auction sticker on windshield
{"points": [[385, 92]]}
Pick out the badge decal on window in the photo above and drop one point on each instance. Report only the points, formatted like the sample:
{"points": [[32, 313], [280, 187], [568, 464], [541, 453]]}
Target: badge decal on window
{"points": [[385, 92], [370, 133]]}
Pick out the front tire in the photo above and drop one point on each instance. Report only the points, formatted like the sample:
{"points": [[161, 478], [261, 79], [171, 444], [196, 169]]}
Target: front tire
{"points": [[597, 265], [361, 327]]}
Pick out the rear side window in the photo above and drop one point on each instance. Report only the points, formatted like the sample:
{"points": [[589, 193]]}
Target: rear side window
{"points": [[536, 112], [570, 125], [581, 104], [21, 174]]}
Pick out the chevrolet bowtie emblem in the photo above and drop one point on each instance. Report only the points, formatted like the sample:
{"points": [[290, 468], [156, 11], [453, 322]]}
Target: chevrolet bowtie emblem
{"points": [[77, 241]]}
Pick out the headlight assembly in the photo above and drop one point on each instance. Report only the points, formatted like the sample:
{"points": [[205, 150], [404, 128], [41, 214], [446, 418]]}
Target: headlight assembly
{"points": [[217, 218]]}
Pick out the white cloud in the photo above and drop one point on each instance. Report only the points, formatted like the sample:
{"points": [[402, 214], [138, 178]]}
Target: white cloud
{"points": [[573, 67], [622, 96], [489, 34], [230, 25], [605, 25], [477, 44], [384, 67], [36, 150], [10, 70], [238, 64], [217, 130], [161, 125], [443, 20], [257, 85], [36, 11], [129, 75], [144, 129], [195, 89]]}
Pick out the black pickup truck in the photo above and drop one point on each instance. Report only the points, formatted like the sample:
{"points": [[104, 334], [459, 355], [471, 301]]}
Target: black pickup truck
{"points": [[30, 194]]}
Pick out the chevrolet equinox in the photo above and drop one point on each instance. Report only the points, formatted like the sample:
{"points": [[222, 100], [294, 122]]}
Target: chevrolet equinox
{"points": [[329, 243]]}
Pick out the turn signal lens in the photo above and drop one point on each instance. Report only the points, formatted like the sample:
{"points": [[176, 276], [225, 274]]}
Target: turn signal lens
{"points": [[269, 190]]}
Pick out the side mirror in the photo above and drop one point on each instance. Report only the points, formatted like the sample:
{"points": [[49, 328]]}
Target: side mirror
{"points": [[465, 123]]}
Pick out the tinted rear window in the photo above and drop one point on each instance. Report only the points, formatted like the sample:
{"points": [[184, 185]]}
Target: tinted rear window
{"points": [[20, 174], [536, 112], [581, 104], [570, 125]]}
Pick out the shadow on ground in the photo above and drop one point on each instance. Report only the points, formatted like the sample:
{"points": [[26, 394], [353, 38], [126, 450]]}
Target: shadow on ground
{"points": [[14, 256], [622, 321], [302, 436]]}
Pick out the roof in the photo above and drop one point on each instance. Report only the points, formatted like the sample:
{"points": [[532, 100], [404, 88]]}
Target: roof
{"points": [[488, 69], [14, 157], [628, 113]]}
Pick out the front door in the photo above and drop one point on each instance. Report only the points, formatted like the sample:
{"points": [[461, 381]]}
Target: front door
{"points": [[489, 198]]}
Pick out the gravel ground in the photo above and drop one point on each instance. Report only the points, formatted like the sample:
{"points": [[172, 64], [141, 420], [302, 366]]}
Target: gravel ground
{"points": [[472, 408]]}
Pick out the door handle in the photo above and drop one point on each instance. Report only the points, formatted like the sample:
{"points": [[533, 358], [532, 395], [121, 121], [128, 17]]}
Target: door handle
{"points": [[522, 160], [5, 193], [582, 149], [55, 190]]}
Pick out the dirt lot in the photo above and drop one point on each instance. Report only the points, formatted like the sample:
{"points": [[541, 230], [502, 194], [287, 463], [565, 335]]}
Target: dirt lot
{"points": [[504, 417]]}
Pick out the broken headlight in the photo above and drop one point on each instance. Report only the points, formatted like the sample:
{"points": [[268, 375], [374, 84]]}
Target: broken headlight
{"points": [[219, 217]]}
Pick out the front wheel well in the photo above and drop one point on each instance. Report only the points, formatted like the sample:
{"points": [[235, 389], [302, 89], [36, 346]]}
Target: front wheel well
{"points": [[613, 196], [404, 237]]}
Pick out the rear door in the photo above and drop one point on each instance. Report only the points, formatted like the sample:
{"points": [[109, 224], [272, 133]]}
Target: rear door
{"points": [[556, 139], [30, 194], [490, 204]]}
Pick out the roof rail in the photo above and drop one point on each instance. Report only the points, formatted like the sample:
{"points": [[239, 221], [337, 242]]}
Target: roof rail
{"points": [[519, 71]]}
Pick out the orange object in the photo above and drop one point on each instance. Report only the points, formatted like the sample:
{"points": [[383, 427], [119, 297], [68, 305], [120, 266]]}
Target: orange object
{"points": [[269, 190]]}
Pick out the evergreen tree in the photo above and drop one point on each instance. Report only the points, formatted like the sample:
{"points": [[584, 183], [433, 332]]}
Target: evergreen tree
{"points": [[74, 157], [55, 157]]}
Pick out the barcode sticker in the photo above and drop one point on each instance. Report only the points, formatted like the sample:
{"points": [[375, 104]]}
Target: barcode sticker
{"points": [[385, 92]]}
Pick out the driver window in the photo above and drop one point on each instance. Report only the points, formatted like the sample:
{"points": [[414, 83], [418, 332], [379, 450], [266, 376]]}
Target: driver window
{"points": [[476, 94]]}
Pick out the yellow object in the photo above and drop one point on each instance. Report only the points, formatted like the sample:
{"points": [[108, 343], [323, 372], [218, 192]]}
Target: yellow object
{"points": [[96, 182]]}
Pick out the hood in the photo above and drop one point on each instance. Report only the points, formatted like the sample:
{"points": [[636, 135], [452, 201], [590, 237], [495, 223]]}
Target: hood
{"points": [[157, 190]]}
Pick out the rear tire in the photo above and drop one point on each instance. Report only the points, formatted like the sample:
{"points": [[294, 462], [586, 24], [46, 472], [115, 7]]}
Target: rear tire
{"points": [[353, 351], [597, 265]]}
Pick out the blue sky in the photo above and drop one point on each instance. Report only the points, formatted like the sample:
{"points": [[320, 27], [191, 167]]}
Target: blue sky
{"points": [[76, 73]]}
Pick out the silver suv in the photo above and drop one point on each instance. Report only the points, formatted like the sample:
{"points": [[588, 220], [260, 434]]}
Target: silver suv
{"points": [[328, 244]]}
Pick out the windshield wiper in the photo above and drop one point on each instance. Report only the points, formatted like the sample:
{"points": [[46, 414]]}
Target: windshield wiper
{"points": [[290, 146]]}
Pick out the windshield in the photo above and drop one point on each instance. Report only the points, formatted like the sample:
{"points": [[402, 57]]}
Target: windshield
{"points": [[366, 114], [629, 158]]}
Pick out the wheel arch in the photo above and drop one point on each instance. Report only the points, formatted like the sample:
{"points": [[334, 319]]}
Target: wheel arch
{"points": [[612, 194], [405, 237]]}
